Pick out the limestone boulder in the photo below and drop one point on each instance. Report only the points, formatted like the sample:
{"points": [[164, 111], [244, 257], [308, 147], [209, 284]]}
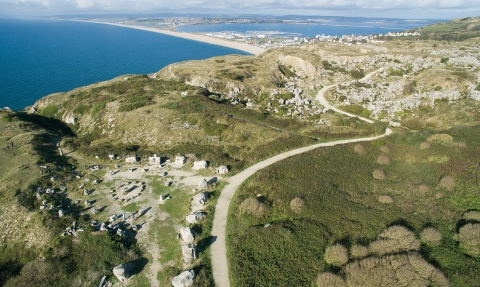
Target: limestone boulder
{"points": [[187, 234], [203, 184], [184, 279], [122, 272], [198, 201], [189, 253], [195, 217]]}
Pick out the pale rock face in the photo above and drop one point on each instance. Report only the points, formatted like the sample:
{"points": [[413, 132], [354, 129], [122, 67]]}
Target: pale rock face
{"points": [[203, 184], [121, 272], [301, 67], [69, 118], [189, 253], [131, 159], [187, 234], [223, 169], [194, 217], [185, 279], [198, 201]]}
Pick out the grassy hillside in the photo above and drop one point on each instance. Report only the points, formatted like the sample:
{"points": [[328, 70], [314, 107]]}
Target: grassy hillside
{"points": [[348, 195], [456, 30], [32, 250]]}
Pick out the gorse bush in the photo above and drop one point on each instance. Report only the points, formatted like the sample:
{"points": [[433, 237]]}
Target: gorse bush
{"points": [[336, 255], [254, 207], [328, 279], [394, 239], [297, 204], [469, 238], [430, 236]]}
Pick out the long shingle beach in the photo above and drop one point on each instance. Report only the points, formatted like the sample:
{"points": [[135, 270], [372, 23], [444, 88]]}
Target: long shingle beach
{"points": [[195, 37]]}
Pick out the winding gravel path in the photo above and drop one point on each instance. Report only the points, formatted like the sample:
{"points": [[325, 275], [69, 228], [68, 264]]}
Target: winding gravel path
{"points": [[219, 247]]}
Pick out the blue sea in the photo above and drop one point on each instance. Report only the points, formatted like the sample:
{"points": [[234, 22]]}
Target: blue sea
{"points": [[40, 57]]}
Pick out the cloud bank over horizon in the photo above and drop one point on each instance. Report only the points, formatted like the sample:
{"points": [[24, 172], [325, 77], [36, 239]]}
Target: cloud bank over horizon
{"points": [[433, 9]]}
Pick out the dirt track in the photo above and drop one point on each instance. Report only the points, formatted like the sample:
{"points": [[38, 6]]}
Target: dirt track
{"points": [[219, 247]]}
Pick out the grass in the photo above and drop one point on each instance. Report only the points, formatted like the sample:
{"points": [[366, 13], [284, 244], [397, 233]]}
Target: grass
{"points": [[341, 207]]}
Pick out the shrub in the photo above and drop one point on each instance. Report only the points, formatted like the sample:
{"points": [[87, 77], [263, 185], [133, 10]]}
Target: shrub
{"points": [[394, 271], [385, 199], [383, 159], [423, 188], [430, 236], [297, 204], [286, 71], [440, 138], [447, 182], [254, 207], [356, 74], [336, 255], [358, 251], [469, 238], [327, 279], [472, 215], [359, 148], [394, 239], [379, 174], [425, 145]]}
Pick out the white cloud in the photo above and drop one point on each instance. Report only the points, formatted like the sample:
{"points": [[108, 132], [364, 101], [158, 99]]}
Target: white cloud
{"points": [[379, 8]]}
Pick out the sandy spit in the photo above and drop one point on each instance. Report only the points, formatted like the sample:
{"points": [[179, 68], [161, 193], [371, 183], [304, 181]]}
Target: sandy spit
{"points": [[195, 37]]}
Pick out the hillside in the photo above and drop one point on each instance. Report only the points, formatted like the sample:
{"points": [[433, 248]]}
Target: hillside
{"points": [[455, 30], [234, 111]]}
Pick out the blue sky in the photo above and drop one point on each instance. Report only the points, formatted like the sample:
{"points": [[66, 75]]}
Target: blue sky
{"points": [[409, 9]]}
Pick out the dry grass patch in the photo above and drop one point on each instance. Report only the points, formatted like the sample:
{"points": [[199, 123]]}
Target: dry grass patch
{"points": [[394, 239], [358, 251], [385, 199], [385, 149], [336, 255], [430, 236], [359, 148], [447, 182], [440, 139], [469, 238], [425, 145], [254, 207], [297, 204], [378, 174], [328, 279], [423, 188], [383, 159]]}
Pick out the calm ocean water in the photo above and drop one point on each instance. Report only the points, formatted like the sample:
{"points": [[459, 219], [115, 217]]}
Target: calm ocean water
{"points": [[40, 57]]}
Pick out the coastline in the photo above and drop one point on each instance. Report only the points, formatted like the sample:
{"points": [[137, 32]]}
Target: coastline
{"points": [[254, 50]]}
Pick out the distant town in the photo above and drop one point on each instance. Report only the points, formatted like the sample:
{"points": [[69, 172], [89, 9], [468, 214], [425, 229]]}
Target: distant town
{"points": [[268, 39]]}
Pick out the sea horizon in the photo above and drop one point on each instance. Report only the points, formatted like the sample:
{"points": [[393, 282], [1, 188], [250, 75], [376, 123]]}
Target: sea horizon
{"points": [[45, 56]]}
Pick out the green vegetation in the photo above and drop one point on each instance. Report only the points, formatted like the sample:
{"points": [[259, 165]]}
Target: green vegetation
{"points": [[455, 30], [343, 207], [286, 71], [35, 253]]}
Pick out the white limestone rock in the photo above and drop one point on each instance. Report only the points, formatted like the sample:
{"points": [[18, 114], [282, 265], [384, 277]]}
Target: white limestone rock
{"points": [[186, 234], [184, 279]]}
